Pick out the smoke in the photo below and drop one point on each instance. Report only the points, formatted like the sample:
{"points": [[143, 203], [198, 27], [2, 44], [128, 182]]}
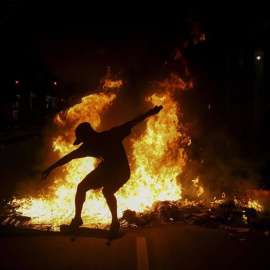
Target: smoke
{"points": [[214, 156], [217, 158]]}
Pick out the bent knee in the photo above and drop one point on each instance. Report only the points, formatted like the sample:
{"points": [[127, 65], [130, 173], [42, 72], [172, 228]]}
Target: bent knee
{"points": [[81, 188], [107, 192], [124, 175], [127, 175]]}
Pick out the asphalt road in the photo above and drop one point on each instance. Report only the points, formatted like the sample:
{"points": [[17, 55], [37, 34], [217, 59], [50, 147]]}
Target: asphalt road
{"points": [[164, 247]]}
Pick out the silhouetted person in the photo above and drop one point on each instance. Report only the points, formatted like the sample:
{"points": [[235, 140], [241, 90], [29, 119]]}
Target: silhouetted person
{"points": [[111, 174]]}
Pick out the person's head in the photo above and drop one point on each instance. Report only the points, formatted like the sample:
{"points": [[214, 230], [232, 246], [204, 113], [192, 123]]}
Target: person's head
{"points": [[83, 132]]}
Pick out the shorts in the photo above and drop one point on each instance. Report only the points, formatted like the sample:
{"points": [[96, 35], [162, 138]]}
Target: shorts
{"points": [[109, 176]]}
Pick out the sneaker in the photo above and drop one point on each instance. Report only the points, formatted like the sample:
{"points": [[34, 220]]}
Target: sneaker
{"points": [[115, 226], [75, 224]]}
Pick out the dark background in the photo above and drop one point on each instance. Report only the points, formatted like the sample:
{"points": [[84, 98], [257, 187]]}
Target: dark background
{"points": [[54, 53]]}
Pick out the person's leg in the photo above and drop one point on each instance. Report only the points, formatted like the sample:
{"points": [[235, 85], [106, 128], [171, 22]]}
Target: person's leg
{"points": [[112, 203], [116, 180], [79, 200], [91, 181]]}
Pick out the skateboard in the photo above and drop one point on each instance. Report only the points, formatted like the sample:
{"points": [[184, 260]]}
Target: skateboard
{"points": [[90, 232]]}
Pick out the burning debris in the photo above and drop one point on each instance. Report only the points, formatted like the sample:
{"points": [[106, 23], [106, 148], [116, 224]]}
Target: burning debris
{"points": [[228, 215], [154, 192], [157, 160]]}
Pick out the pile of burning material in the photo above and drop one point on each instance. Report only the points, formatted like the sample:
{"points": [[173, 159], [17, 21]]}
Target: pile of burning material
{"points": [[154, 192], [228, 215], [157, 159], [12, 221], [235, 215]]}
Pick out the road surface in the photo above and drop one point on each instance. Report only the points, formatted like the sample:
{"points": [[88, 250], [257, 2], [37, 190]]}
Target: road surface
{"points": [[172, 246], [169, 246]]}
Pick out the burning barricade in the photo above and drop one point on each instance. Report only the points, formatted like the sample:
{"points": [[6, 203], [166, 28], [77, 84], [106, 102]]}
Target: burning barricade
{"points": [[153, 195]]}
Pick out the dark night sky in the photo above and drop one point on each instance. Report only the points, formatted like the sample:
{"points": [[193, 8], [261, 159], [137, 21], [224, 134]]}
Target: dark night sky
{"points": [[69, 36], [75, 42]]}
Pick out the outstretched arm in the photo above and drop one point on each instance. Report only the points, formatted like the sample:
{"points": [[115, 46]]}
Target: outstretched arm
{"points": [[142, 117], [62, 161]]}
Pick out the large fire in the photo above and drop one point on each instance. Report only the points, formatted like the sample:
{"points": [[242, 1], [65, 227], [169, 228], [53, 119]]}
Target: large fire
{"points": [[157, 160]]}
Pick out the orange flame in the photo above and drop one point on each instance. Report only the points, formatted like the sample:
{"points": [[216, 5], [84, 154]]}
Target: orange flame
{"points": [[156, 162]]}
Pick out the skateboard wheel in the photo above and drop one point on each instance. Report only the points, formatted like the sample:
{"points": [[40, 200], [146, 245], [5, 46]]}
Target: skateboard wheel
{"points": [[73, 238]]}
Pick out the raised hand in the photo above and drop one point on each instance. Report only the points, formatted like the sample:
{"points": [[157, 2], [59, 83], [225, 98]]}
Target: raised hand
{"points": [[45, 174], [155, 110]]}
